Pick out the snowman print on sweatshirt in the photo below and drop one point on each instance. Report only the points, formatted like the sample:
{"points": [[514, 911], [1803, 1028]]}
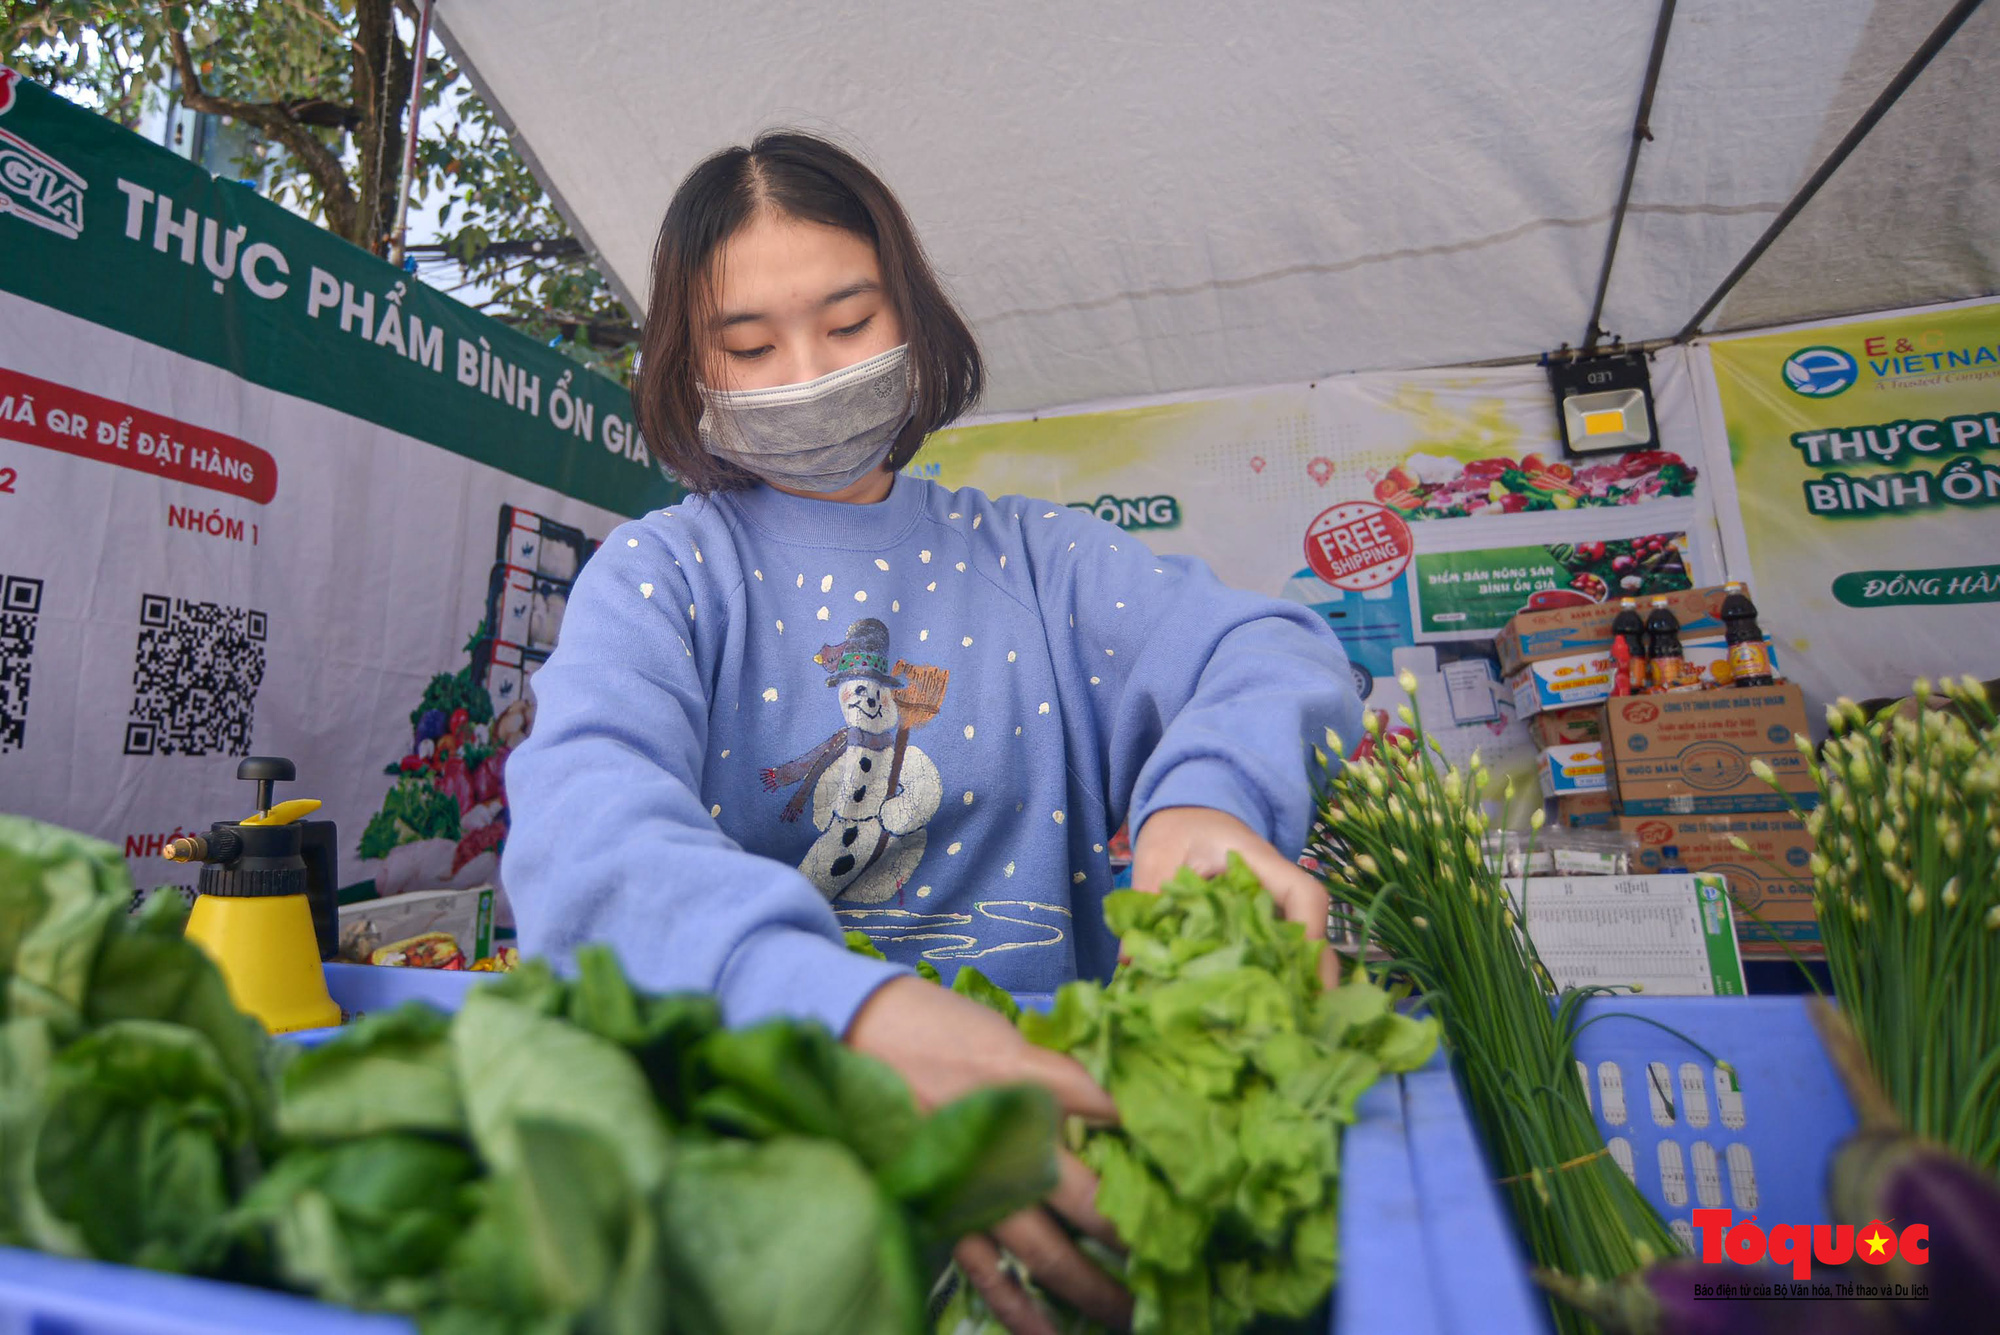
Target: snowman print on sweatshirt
{"points": [[872, 792]]}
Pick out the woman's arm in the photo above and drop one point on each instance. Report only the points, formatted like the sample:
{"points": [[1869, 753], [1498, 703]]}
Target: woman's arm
{"points": [[1206, 703], [610, 840], [1202, 696]]}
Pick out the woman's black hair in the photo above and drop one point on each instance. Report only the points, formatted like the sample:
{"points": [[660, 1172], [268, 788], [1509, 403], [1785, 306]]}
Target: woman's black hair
{"points": [[804, 177]]}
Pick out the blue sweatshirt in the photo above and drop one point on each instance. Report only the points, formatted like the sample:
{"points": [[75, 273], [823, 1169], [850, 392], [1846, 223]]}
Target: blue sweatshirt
{"points": [[770, 719]]}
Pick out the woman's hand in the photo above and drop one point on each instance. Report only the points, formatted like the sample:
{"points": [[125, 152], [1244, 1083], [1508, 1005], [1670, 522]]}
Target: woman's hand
{"points": [[1201, 838], [946, 1046]]}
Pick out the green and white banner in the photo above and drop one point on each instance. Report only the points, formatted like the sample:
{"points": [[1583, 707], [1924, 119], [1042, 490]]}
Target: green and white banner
{"points": [[262, 493]]}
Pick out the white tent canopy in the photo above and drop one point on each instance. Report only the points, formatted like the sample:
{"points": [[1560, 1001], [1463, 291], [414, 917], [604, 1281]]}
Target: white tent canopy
{"points": [[1142, 197]]}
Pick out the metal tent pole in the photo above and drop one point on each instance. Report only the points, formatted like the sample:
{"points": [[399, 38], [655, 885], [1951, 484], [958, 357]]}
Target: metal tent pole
{"points": [[1906, 76], [1642, 132], [417, 55]]}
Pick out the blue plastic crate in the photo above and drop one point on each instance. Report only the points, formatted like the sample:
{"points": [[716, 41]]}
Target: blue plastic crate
{"points": [[52, 1295], [1684, 1136], [360, 988], [1427, 1246]]}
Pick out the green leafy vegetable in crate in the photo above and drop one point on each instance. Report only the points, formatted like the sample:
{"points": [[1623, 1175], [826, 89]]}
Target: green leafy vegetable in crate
{"points": [[561, 1155], [1233, 1069], [1403, 839], [118, 1047]]}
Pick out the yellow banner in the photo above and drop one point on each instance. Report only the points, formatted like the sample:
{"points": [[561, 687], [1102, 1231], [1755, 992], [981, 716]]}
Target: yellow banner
{"points": [[1867, 467]]}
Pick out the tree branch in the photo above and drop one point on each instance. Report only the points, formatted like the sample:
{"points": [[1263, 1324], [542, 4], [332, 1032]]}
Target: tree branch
{"points": [[318, 111], [381, 79], [598, 331], [320, 162]]}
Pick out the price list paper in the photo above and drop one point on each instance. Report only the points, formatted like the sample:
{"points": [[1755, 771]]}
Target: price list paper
{"points": [[1667, 935]]}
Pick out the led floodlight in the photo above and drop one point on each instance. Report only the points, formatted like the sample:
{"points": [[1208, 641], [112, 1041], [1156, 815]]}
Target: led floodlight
{"points": [[1603, 403]]}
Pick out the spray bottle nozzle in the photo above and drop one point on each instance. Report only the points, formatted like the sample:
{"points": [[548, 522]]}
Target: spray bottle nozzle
{"points": [[223, 844], [220, 844]]}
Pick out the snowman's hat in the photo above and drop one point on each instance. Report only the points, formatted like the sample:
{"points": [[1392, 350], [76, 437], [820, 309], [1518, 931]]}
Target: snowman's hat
{"points": [[862, 656]]}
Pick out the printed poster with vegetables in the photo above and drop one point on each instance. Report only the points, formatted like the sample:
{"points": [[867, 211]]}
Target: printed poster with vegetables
{"points": [[1866, 460], [263, 494], [1414, 511]]}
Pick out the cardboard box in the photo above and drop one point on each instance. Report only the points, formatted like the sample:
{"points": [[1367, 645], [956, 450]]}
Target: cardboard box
{"points": [[1531, 636], [1585, 811], [1576, 767], [1690, 754], [1563, 727], [1575, 681], [1572, 681], [1773, 878]]}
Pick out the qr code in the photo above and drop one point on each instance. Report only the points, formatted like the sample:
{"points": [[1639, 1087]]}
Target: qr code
{"points": [[195, 675], [20, 605]]}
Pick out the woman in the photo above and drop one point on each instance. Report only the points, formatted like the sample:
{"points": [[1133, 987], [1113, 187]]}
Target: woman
{"points": [[818, 693]]}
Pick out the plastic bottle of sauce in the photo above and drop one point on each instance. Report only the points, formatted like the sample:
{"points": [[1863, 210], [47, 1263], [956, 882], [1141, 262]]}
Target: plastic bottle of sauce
{"points": [[1665, 661], [1670, 861], [1749, 659], [1628, 649]]}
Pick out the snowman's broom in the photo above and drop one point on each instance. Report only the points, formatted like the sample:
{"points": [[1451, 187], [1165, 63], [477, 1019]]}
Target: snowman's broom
{"points": [[920, 701], [916, 704]]}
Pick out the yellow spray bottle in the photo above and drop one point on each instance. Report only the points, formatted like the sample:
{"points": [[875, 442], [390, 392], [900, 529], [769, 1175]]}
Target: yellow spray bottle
{"points": [[252, 916]]}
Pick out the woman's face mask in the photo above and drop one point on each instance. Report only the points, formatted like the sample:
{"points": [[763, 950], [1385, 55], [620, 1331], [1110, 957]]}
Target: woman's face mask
{"points": [[822, 435]]}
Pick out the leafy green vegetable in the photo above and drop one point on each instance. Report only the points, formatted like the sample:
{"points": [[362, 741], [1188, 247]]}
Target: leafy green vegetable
{"points": [[1233, 1069], [350, 1220], [974, 984], [975, 1161], [26, 1051], [143, 1143], [134, 1098], [662, 1033], [147, 969], [781, 1078], [564, 1241], [390, 1071], [788, 1237], [561, 1155], [413, 809], [62, 912], [515, 1066], [49, 874]]}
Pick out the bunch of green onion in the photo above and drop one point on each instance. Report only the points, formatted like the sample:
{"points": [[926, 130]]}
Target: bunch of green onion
{"points": [[1402, 844], [1906, 884]]}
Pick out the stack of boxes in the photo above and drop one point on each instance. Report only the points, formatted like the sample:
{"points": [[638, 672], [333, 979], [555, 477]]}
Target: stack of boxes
{"points": [[1673, 769]]}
